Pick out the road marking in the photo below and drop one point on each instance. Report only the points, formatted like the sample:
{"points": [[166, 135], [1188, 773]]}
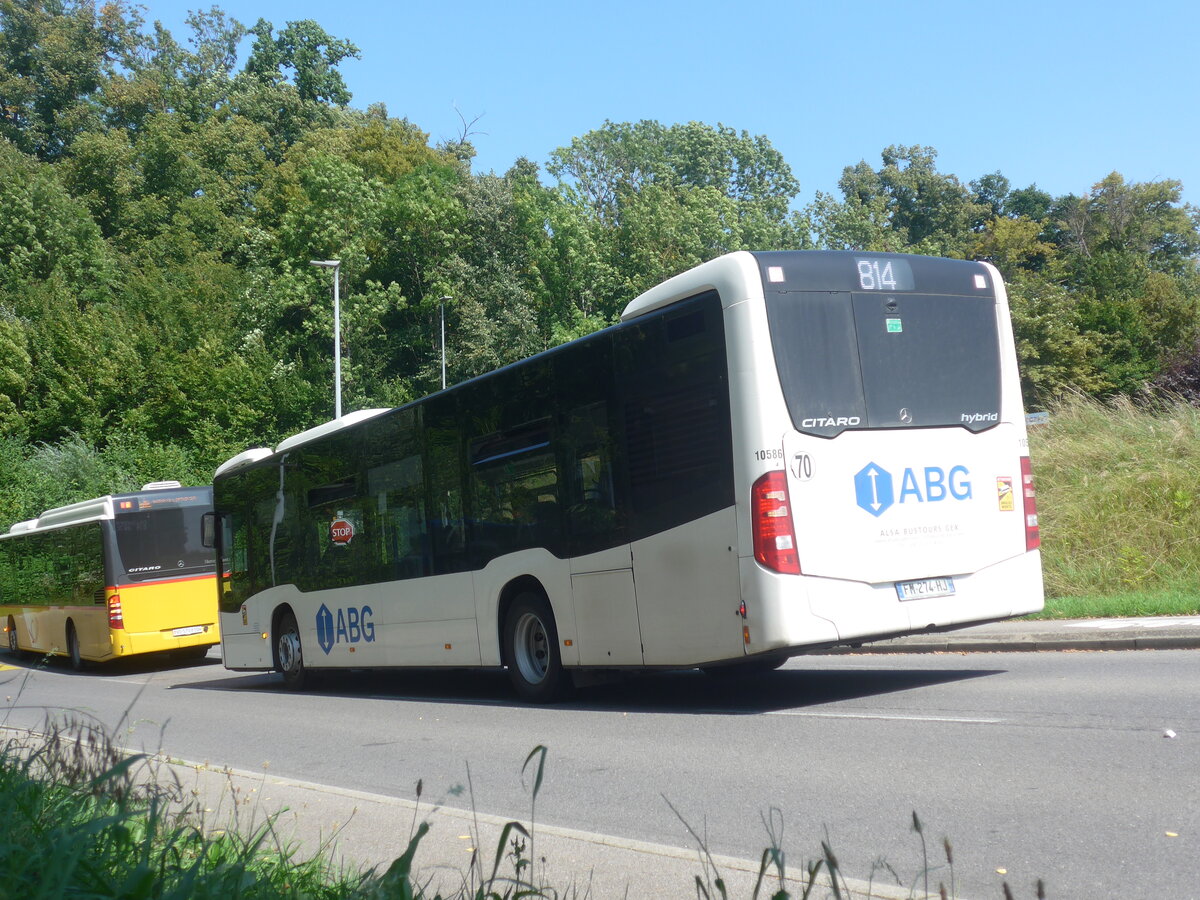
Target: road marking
{"points": [[961, 720]]}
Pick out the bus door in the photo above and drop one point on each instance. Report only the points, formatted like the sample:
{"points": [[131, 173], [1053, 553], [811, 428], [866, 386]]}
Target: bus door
{"points": [[602, 582]]}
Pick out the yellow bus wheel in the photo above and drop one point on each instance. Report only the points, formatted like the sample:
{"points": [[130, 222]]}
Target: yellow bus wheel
{"points": [[77, 661], [13, 647]]}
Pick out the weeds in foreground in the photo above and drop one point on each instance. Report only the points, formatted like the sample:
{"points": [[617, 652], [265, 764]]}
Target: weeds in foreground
{"points": [[84, 818]]}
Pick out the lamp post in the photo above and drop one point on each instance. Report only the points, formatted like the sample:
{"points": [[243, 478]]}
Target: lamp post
{"points": [[442, 308], [337, 333]]}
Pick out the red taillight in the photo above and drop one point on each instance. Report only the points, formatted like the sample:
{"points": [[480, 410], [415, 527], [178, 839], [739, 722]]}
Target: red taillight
{"points": [[1033, 538], [115, 617], [774, 536]]}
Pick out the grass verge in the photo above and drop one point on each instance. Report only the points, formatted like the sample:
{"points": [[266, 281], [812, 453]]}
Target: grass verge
{"points": [[1132, 604]]}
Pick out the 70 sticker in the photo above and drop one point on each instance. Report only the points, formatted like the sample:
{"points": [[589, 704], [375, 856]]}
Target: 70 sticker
{"points": [[801, 466]]}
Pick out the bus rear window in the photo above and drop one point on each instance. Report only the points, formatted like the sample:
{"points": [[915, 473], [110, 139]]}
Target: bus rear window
{"points": [[870, 360], [163, 543]]}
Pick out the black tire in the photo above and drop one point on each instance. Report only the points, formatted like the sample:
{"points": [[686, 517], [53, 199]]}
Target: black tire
{"points": [[193, 653], [14, 648], [531, 651], [73, 653], [759, 665], [289, 654]]}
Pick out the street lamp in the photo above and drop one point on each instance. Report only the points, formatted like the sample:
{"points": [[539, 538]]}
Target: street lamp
{"points": [[337, 333], [442, 307]]}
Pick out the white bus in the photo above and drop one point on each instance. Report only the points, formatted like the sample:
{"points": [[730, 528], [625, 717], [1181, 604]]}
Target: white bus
{"points": [[770, 453]]}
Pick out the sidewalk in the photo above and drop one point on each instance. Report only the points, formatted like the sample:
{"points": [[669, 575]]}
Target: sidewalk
{"points": [[359, 830], [365, 829], [1150, 633]]}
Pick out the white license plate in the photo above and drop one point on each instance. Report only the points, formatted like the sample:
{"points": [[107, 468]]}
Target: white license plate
{"points": [[925, 588], [191, 629]]}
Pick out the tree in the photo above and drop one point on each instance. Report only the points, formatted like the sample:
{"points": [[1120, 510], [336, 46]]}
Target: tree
{"points": [[55, 55], [904, 205], [1130, 251], [1145, 219], [16, 370], [310, 53], [46, 235], [667, 197], [1056, 353]]}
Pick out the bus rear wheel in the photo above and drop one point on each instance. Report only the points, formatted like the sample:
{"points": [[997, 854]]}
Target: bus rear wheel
{"points": [[289, 654], [13, 647], [531, 650], [73, 651]]}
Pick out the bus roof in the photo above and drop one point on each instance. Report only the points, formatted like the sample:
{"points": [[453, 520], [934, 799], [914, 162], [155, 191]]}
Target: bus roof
{"points": [[329, 427], [723, 274], [94, 510]]}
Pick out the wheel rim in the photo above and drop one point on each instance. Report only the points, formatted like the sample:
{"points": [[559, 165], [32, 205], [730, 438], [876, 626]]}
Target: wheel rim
{"points": [[289, 651], [531, 648]]}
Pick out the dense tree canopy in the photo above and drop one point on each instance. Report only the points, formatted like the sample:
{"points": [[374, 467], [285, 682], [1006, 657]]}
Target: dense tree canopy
{"points": [[159, 207]]}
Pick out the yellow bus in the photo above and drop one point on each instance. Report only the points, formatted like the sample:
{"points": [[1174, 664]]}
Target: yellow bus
{"points": [[111, 577]]}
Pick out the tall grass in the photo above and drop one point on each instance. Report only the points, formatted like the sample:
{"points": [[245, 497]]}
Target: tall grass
{"points": [[84, 819], [81, 818], [1119, 506]]}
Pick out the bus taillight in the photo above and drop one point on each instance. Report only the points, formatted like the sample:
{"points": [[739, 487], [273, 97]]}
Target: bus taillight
{"points": [[774, 536], [1033, 537], [115, 617]]}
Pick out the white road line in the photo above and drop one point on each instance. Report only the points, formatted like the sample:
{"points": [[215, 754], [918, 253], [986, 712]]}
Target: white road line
{"points": [[821, 715]]}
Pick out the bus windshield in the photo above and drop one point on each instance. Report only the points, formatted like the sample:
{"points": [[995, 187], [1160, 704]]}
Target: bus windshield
{"points": [[159, 537], [872, 360]]}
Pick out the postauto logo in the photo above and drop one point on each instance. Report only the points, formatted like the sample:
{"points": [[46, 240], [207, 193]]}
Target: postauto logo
{"points": [[875, 487]]}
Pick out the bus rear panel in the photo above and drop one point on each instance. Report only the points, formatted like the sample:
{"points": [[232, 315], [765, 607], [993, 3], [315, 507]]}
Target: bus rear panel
{"points": [[892, 484]]}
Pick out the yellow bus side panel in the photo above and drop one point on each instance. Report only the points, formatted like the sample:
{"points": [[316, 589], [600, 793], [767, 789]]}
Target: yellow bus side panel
{"points": [[43, 629]]}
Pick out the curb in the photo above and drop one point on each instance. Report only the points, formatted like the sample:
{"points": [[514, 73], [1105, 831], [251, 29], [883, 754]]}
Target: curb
{"points": [[1026, 643]]}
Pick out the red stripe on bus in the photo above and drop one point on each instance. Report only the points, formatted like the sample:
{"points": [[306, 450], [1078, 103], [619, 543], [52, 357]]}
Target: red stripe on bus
{"points": [[135, 584]]}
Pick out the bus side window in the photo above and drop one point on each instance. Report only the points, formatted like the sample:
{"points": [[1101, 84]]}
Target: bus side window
{"points": [[674, 393], [444, 509], [399, 496], [86, 553], [514, 496], [394, 508], [592, 508]]}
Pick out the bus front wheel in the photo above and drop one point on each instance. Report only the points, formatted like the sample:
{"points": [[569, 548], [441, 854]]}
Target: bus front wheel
{"points": [[531, 650], [289, 653]]}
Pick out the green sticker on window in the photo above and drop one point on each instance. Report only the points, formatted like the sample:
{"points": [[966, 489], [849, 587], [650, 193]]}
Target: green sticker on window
{"points": [[894, 326]]}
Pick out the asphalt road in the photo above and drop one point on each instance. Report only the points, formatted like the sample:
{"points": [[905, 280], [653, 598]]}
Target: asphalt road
{"points": [[1055, 765]]}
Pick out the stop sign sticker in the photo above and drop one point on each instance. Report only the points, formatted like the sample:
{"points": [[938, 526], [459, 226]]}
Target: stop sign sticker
{"points": [[341, 531]]}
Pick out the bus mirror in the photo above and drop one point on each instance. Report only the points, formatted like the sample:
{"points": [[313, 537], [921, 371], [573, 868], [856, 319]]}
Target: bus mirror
{"points": [[208, 530]]}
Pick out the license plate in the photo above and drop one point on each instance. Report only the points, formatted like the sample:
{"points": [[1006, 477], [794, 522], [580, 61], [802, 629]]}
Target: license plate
{"points": [[191, 629], [925, 588]]}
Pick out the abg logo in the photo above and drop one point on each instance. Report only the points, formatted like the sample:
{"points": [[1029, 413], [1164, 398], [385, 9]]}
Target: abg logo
{"points": [[875, 488]]}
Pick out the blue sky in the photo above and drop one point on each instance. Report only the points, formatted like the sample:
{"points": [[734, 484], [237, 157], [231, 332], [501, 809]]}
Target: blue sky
{"points": [[1053, 93]]}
